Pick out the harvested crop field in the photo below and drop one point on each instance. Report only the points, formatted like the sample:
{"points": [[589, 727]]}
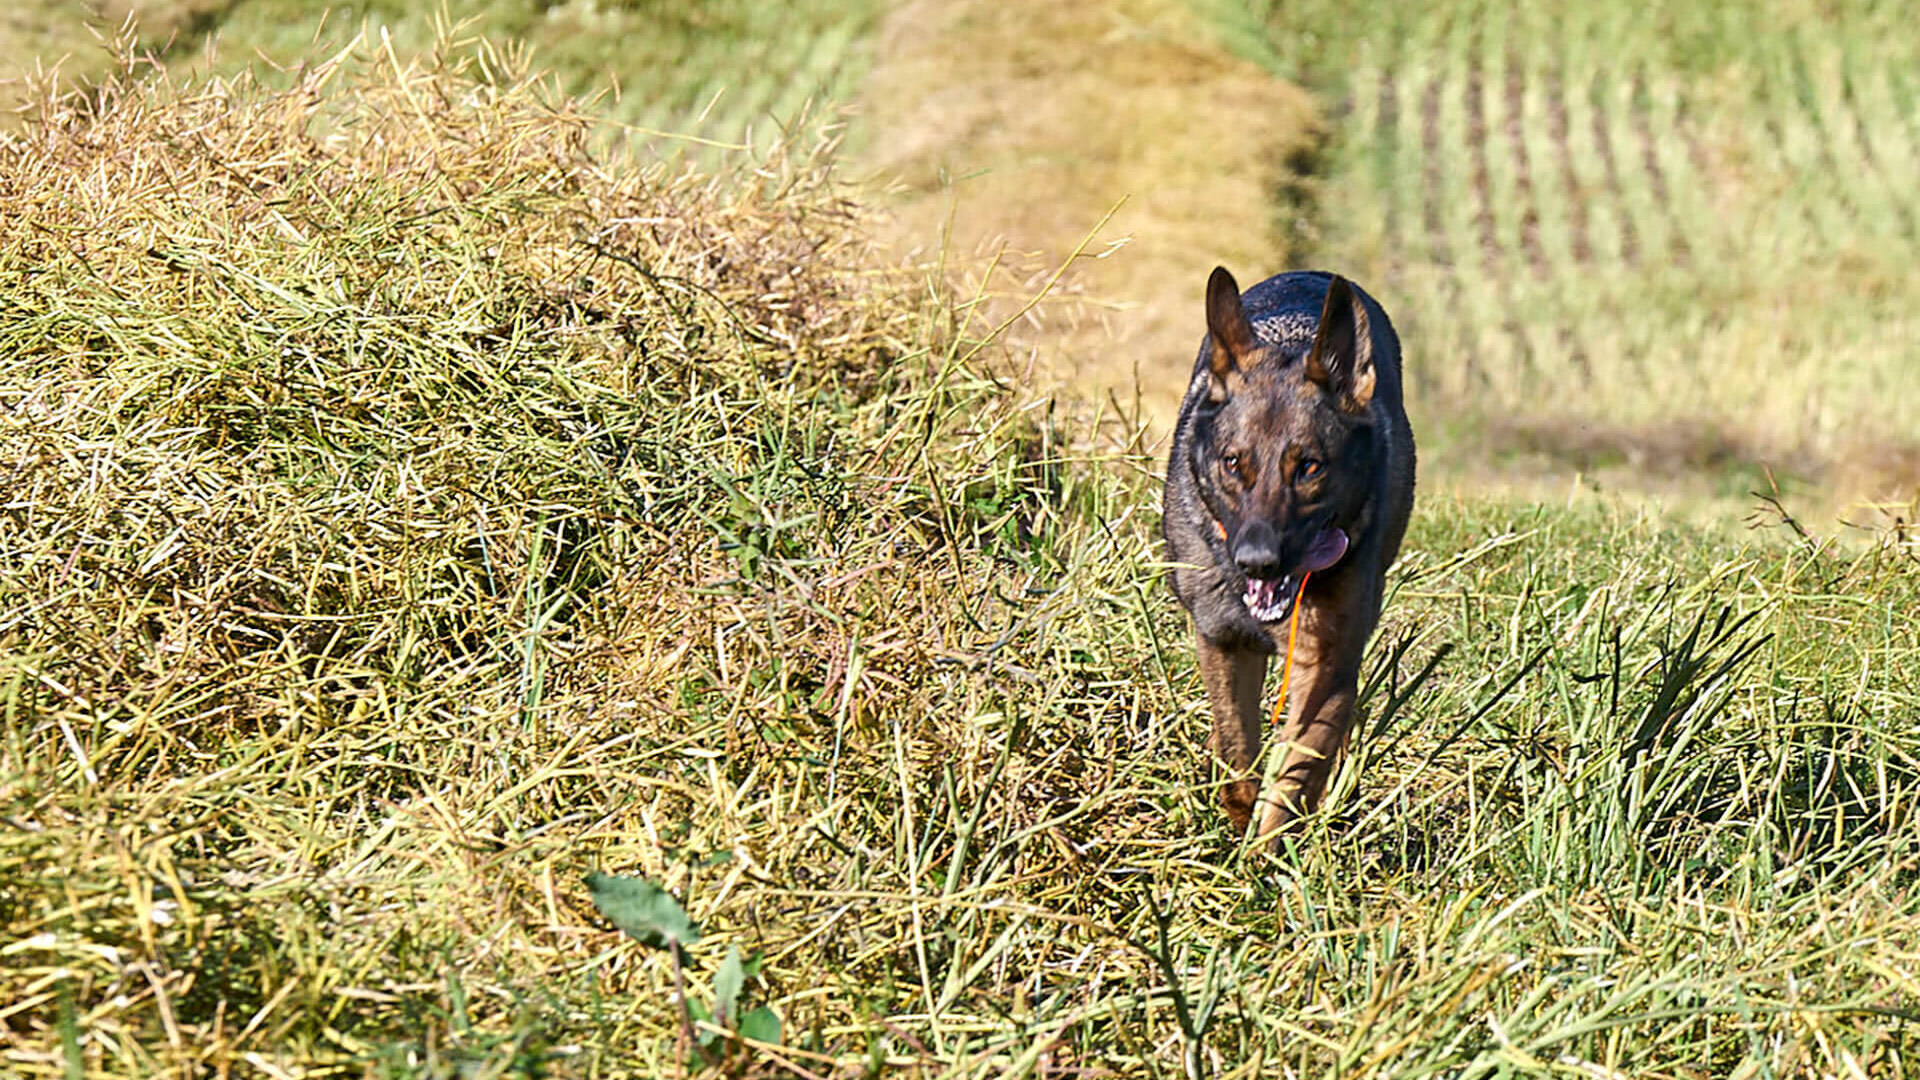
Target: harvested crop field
{"points": [[1646, 243]]}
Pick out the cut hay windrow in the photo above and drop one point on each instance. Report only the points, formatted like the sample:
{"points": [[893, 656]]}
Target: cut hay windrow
{"points": [[356, 369], [367, 434]]}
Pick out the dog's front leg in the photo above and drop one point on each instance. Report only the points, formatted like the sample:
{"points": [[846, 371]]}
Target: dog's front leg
{"points": [[1233, 678], [1322, 699]]}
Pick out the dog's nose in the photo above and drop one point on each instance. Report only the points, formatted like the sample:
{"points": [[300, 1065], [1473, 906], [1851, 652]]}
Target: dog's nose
{"points": [[1257, 551]]}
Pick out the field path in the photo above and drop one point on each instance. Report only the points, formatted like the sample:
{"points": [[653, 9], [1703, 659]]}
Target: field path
{"points": [[1023, 125]]}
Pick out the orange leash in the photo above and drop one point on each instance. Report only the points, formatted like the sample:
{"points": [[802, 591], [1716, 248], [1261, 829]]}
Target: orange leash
{"points": [[1293, 635]]}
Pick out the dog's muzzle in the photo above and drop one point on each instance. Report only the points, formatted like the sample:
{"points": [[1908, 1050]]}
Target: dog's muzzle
{"points": [[1272, 599]]}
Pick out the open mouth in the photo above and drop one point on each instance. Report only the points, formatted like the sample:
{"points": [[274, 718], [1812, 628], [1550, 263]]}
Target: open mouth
{"points": [[1271, 599]]}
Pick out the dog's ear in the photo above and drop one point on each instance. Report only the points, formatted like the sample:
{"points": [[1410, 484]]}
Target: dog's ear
{"points": [[1341, 360], [1227, 326]]}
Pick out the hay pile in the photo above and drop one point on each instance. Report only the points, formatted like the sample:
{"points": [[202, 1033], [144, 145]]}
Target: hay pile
{"points": [[346, 374], [398, 500]]}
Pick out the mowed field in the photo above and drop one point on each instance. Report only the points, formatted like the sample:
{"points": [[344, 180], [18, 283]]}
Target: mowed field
{"points": [[670, 78], [421, 495], [1653, 242]]}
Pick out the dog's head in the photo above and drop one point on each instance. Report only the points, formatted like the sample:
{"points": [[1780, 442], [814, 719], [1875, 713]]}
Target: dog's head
{"points": [[1283, 448]]}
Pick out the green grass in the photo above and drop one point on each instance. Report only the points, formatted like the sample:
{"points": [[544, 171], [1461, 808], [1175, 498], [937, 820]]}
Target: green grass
{"points": [[409, 512], [726, 71], [1649, 243], [731, 71]]}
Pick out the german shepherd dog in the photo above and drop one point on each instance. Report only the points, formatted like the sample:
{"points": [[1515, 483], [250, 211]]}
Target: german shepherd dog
{"points": [[1292, 460]]}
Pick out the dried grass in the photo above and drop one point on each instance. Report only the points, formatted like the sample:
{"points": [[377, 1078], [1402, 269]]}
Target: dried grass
{"points": [[352, 437], [1021, 126]]}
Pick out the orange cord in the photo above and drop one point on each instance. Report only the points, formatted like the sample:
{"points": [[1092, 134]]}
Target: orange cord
{"points": [[1293, 635]]}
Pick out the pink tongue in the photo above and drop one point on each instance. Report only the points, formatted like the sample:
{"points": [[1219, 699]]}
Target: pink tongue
{"points": [[1327, 549]]}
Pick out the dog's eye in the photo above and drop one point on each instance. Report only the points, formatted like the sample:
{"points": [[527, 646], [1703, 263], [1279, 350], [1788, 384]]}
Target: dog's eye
{"points": [[1231, 463], [1307, 469]]}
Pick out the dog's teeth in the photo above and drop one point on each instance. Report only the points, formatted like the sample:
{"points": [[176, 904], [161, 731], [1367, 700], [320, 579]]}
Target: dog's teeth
{"points": [[1268, 600]]}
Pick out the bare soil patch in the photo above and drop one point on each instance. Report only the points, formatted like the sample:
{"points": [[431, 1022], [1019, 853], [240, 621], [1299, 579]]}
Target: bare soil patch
{"points": [[1581, 247], [1515, 99], [1677, 247], [1431, 177], [1477, 147]]}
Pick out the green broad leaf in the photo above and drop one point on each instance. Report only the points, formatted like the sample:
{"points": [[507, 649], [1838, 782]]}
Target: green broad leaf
{"points": [[644, 910], [727, 984], [705, 1036], [761, 1025]]}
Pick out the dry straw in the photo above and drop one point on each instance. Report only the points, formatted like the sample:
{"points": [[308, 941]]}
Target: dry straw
{"points": [[367, 444]]}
